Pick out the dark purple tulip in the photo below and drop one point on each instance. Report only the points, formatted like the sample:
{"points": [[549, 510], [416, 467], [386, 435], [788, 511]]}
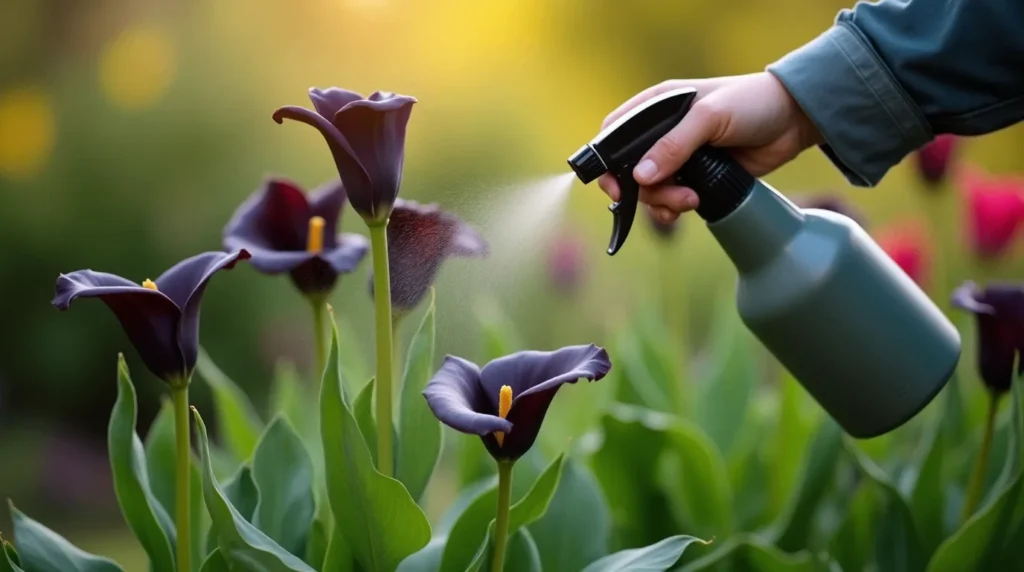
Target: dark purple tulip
{"points": [[161, 318], [420, 238], [999, 310], [367, 139], [287, 231], [505, 402], [829, 202]]}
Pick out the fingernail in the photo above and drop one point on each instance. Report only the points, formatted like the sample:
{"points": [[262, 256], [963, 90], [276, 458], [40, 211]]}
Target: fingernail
{"points": [[691, 201], [646, 170]]}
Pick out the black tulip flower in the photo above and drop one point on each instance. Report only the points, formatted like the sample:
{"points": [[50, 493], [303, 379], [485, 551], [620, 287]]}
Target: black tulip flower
{"points": [[832, 203], [288, 231], [161, 318], [420, 238], [367, 139], [505, 401], [999, 311]]}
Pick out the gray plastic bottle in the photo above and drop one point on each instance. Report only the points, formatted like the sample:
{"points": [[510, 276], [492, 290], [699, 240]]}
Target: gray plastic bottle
{"points": [[863, 339]]}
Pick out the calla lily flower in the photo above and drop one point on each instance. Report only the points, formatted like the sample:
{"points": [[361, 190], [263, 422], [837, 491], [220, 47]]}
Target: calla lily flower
{"points": [[907, 246], [995, 207], [367, 139], [420, 238], [161, 318], [829, 202], [288, 231], [999, 311], [933, 159], [505, 401]]}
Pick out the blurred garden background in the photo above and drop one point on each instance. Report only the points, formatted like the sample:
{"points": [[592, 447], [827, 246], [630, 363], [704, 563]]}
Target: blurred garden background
{"points": [[130, 131]]}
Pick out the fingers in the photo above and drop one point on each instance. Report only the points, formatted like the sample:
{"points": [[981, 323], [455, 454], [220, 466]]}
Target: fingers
{"points": [[702, 124], [674, 199], [662, 214], [609, 185]]}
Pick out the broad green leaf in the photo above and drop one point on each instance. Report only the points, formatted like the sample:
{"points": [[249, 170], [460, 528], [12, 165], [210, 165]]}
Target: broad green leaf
{"points": [[791, 531], [927, 497], [521, 553], [469, 531], [634, 437], [362, 410], [725, 393], [898, 544], [419, 432], [215, 563], [651, 380], [750, 553], [654, 558], [428, 559], [142, 511], [982, 541], [241, 493], [161, 464], [574, 530], [696, 481], [241, 543], [378, 518], [750, 467], [291, 398], [339, 553], [353, 363], [9, 561], [482, 556], [791, 441], [283, 475], [43, 550], [240, 426], [852, 546], [319, 531]]}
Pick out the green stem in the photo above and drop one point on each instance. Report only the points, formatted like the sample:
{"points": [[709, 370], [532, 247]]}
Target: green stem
{"points": [[501, 521], [981, 463], [385, 361], [320, 333], [183, 477]]}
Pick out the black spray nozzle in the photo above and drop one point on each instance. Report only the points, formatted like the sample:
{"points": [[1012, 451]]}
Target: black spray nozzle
{"points": [[720, 182]]}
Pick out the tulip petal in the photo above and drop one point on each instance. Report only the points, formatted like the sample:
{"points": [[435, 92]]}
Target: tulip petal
{"points": [[966, 298], [457, 399], [330, 101], [349, 167], [349, 251], [532, 372], [149, 318], [276, 217], [468, 242]]}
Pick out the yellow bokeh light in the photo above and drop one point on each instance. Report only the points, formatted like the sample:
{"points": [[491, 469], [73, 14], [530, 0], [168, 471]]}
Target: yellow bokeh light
{"points": [[26, 132], [138, 66]]}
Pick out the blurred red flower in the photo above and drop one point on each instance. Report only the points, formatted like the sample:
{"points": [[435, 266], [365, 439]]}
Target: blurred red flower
{"points": [[995, 210], [933, 159], [907, 245], [566, 262]]}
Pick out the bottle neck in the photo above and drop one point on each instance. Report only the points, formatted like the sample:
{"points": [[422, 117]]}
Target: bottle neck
{"points": [[758, 229]]}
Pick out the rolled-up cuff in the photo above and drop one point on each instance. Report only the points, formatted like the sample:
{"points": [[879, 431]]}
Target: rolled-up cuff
{"points": [[866, 119]]}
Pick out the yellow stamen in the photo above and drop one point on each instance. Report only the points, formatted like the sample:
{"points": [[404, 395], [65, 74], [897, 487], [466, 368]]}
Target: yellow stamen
{"points": [[504, 404], [315, 238], [149, 284]]}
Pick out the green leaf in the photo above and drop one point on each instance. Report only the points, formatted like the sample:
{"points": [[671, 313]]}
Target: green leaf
{"points": [[362, 410], [724, 397], [754, 554], [853, 544], [521, 553], [9, 561], [215, 563], [283, 474], [533, 506], [574, 530], [339, 553], [353, 363], [634, 437], [161, 461], [651, 376], [241, 543], [43, 550], [318, 541], [696, 481], [291, 398], [378, 518], [928, 499], [237, 420], [241, 493], [428, 559], [142, 511], [796, 421], [654, 558], [791, 531], [419, 432], [898, 545]]}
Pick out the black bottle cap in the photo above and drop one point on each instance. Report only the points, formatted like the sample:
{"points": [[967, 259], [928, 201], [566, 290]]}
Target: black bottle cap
{"points": [[720, 182], [587, 164]]}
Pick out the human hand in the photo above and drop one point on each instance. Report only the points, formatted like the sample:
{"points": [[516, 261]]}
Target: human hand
{"points": [[752, 115]]}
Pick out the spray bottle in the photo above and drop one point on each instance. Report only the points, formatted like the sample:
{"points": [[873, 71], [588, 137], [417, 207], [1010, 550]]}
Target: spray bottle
{"points": [[857, 333]]}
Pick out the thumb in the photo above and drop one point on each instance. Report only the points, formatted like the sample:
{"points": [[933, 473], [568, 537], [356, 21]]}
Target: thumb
{"points": [[667, 155]]}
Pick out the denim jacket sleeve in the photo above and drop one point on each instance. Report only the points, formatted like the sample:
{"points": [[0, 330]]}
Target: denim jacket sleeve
{"points": [[889, 76]]}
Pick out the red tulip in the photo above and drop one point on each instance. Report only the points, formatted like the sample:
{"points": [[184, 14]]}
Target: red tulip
{"points": [[907, 245], [933, 159], [995, 210], [566, 263]]}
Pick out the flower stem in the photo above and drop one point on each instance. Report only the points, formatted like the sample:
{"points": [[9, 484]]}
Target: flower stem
{"points": [[981, 463], [320, 333], [385, 360], [501, 521], [182, 497]]}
